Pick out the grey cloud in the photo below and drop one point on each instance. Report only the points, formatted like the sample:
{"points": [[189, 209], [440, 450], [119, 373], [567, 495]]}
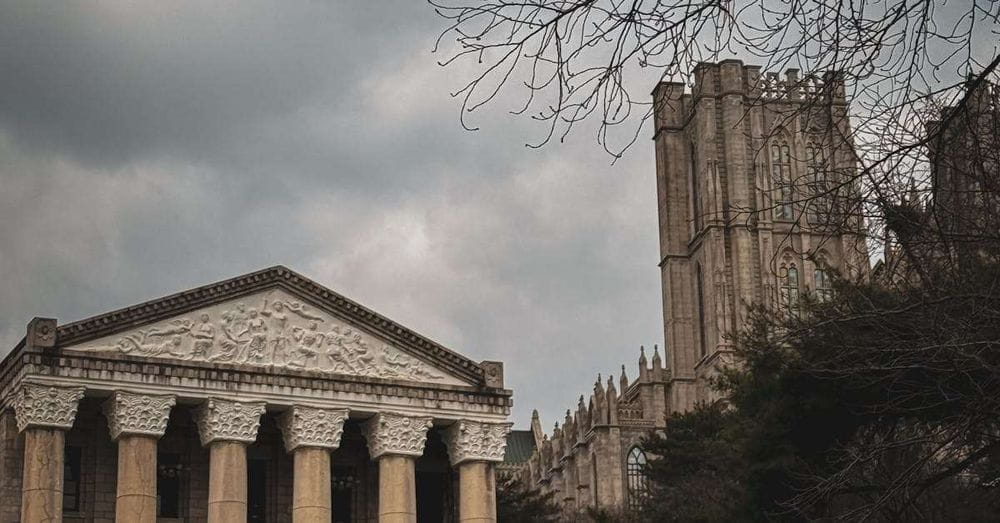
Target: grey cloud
{"points": [[148, 149]]}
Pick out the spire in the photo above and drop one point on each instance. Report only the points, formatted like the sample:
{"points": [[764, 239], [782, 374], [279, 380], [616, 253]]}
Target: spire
{"points": [[657, 363], [623, 380], [536, 428], [612, 402], [643, 369]]}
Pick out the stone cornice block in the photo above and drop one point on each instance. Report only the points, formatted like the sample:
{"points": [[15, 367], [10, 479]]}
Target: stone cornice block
{"points": [[46, 406], [227, 420], [137, 414], [476, 441], [396, 434], [312, 427]]}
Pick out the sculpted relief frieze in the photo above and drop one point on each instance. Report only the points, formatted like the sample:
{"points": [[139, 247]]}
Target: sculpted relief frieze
{"points": [[272, 329]]}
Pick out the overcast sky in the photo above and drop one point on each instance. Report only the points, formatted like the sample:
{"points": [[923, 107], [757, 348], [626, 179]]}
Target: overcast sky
{"points": [[149, 149]]}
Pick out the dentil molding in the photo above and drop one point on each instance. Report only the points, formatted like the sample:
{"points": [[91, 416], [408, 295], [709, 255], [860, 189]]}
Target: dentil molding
{"points": [[312, 427], [225, 420], [46, 406], [396, 434], [137, 414]]}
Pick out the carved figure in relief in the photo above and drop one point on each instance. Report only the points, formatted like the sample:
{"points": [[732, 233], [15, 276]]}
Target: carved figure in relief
{"points": [[309, 342], [279, 343], [204, 337], [281, 333], [258, 337], [301, 310], [347, 352], [400, 366], [181, 326]]}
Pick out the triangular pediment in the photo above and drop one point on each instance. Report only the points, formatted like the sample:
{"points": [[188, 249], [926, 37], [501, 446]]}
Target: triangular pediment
{"points": [[277, 327]]}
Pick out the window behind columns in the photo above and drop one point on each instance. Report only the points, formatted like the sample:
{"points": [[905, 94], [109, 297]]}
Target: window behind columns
{"points": [[168, 485], [434, 482], [256, 490], [71, 478]]}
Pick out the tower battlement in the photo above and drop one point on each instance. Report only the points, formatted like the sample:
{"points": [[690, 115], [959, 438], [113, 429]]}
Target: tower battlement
{"points": [[675, 100]]}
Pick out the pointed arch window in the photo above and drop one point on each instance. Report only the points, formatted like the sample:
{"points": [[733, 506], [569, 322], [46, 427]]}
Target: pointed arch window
{"points": [[823, 283], [781, 173], [700, 295], [637, 477], [695, 190], [790, 290], [819, 185]]}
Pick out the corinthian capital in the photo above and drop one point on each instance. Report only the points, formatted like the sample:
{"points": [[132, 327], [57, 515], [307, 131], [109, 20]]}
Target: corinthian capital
{"points": [[46, 406], [396, 434], [476, 441], [225, 420], [312, 427], [130, 413]]}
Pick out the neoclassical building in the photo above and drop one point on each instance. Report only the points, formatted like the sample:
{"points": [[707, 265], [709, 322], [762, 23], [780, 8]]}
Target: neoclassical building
{"points": [[753, 185], [266, 397]]}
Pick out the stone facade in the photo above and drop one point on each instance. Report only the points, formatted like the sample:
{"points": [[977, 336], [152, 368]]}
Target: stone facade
{"points": [[586, 459], [750, 212], [752, 206], [218, 404]]}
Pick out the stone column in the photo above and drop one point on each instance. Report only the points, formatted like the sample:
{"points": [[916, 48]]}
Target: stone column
{"points": [[396, 441], [227, 427], [43, 414], [474, 447], [310, 434], [136, 422]]}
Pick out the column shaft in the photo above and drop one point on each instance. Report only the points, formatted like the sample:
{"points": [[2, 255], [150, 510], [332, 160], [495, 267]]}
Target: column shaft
{"points": [[311, 486], [397, 490], [42, 488], [477, 492], [227, 482], [136, 498]]}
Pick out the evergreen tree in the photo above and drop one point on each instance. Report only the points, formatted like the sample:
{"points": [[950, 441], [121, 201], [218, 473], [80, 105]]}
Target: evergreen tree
{"points": [[517, 503]]}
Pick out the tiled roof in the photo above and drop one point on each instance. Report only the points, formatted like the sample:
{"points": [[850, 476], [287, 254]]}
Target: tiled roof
{"points": [[520, 445]]}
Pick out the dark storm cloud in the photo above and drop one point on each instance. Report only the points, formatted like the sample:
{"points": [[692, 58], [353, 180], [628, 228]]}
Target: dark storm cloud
{"points": [[146, 149]]}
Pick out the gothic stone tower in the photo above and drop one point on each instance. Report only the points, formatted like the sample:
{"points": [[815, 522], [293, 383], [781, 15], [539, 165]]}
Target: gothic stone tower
{"points": [[748, 170]]}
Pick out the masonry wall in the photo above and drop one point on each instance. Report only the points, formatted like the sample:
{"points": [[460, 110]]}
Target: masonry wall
{"points": [[722, 244], [11, 460]]}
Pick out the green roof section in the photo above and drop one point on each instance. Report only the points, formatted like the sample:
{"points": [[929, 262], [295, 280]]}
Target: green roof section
{"points": [[520, 445]]}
